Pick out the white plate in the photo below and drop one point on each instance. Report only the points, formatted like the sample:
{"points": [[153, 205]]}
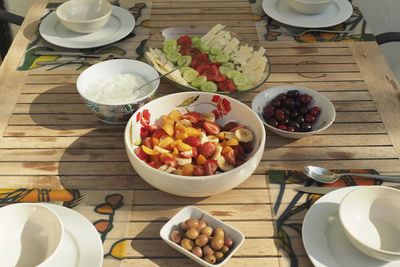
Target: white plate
{"points": [[337, 12], [120, 24], [82, 246], [324, 239]]}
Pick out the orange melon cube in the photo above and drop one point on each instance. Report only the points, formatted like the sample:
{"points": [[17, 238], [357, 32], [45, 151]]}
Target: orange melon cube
{"points": [[191, 131], [156, 142], [187, 169], [175, 115], [149, 151], [180, 135], [163, 155], [226, 149], [221, 135], [166, 143], [168, 128], [182, 146], [175, 152], [232, 142], [180, 128], [167, 120], [201, 160]]}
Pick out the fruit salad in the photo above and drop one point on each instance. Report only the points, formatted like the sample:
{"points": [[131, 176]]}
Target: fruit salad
{"points": [[214, 62], [193, 144]]}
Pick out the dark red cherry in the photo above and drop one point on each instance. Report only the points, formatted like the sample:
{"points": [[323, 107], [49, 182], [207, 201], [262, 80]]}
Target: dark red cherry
{"points": [[276, 103], [273, 123], [305, 99], [315, 111], [306, 127], [279, 115], [309, 118], [291, 129], [282, 127]]}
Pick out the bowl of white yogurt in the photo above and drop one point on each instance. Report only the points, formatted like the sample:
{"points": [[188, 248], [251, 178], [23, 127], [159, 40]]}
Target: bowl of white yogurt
{"points": [[109, 88]]}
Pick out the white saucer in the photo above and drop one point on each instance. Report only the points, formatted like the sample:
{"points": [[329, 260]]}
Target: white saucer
{"points": [[120, 24], [337, 12], [324, 239], [82, 246]]}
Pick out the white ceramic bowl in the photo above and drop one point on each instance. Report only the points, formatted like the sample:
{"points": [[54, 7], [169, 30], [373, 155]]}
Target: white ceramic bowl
{"points": [[322, 122], [191, 212], [309, 7], [117, 113], [196, 186], [31, 235], [84, 16], [370, 216]]}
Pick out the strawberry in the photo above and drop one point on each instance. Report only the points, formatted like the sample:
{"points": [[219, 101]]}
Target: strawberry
{"points": [[198, 171], [192, 141], [229, 126], [152, 128], [148, 141], [230, 157], [189, 154], [237, 127], [169, 161], [211, 127], [211, 166], [207, 149], [144, 132], [140, 154], [247, 147], [194, 117], [158, 133], [154, 164]]}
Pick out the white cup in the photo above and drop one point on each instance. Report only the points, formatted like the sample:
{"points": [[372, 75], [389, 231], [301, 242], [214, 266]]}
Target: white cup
{"points": [[30, 235]]}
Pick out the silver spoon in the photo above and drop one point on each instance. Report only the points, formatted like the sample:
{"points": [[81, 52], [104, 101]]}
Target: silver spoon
{"points": [[159, 77], [301, 31], [325, 176]]}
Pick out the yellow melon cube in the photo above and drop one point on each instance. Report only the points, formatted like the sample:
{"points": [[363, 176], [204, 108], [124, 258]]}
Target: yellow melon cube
{"points": [[175, 115]]}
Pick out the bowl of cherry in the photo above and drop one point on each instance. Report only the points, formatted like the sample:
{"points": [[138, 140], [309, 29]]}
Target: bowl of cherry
{"points": [[293, 111]]}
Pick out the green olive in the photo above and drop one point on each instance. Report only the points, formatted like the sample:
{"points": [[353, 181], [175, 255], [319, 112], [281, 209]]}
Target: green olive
{"points": [[187, 244], [224, 249], [219, 256], [207, 250], [201, 240], [217, 242], [207, 230], [197, 251], [176, 237], [210, 258], [219, 232], [192, 223], [202, 224], [192, 233]]}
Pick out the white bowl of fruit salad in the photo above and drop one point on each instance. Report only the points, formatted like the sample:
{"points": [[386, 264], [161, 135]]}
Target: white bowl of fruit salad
{"points": [[293, 111], [194, 144], [217, 60]]}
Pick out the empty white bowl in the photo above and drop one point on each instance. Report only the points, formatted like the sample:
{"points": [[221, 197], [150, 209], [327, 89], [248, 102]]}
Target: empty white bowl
{"points": [[191, 212], [370, 216], [309, 7], [31, 235], [322, 122], [112, 112], [84, 16]]}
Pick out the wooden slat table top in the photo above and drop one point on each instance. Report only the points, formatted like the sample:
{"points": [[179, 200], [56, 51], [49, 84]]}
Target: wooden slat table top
{"points": [[49, 139]]}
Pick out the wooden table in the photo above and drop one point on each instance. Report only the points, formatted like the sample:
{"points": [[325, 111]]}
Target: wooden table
{"points": [[49, 139]]}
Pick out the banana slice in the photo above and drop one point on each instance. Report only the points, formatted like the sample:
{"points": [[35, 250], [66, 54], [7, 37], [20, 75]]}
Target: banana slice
{"points": [[203, 138], [243, 135], [209, 116], [217, 152], [213, 139], [160, 149], [224, 165], [185, 122], [170, 170], [183, 161], [178, 172], [163, 168], [228, 135]]}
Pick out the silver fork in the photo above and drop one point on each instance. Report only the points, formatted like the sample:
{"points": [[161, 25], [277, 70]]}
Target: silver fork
{"points": [[69, 204]]}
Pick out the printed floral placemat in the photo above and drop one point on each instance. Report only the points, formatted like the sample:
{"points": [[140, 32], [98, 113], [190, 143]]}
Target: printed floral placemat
{"points": [[108, 210], [130, 46], [270, 30], [290, 207]]}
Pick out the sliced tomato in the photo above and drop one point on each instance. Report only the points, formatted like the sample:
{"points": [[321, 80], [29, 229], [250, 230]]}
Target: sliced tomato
{"points": [[185, 41], [227, 86], [169, 161], [193, 117], [211, 166], [211, 127]]}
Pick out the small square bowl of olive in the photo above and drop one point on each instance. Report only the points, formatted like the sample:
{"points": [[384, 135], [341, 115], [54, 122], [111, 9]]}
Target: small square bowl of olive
{"points": [[294, 111], [201, 237]]}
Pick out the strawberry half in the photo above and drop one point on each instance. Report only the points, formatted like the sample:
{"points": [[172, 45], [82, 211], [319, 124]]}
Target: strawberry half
{"points": [[207, 149], [192, 141], [140, 154], [211, 166], [169, 161], [198, 171], [211, 127], [193, 117]]}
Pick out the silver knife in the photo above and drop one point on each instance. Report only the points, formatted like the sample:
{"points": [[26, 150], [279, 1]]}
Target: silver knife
{"points": [[325, 190], [72, 54]]}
